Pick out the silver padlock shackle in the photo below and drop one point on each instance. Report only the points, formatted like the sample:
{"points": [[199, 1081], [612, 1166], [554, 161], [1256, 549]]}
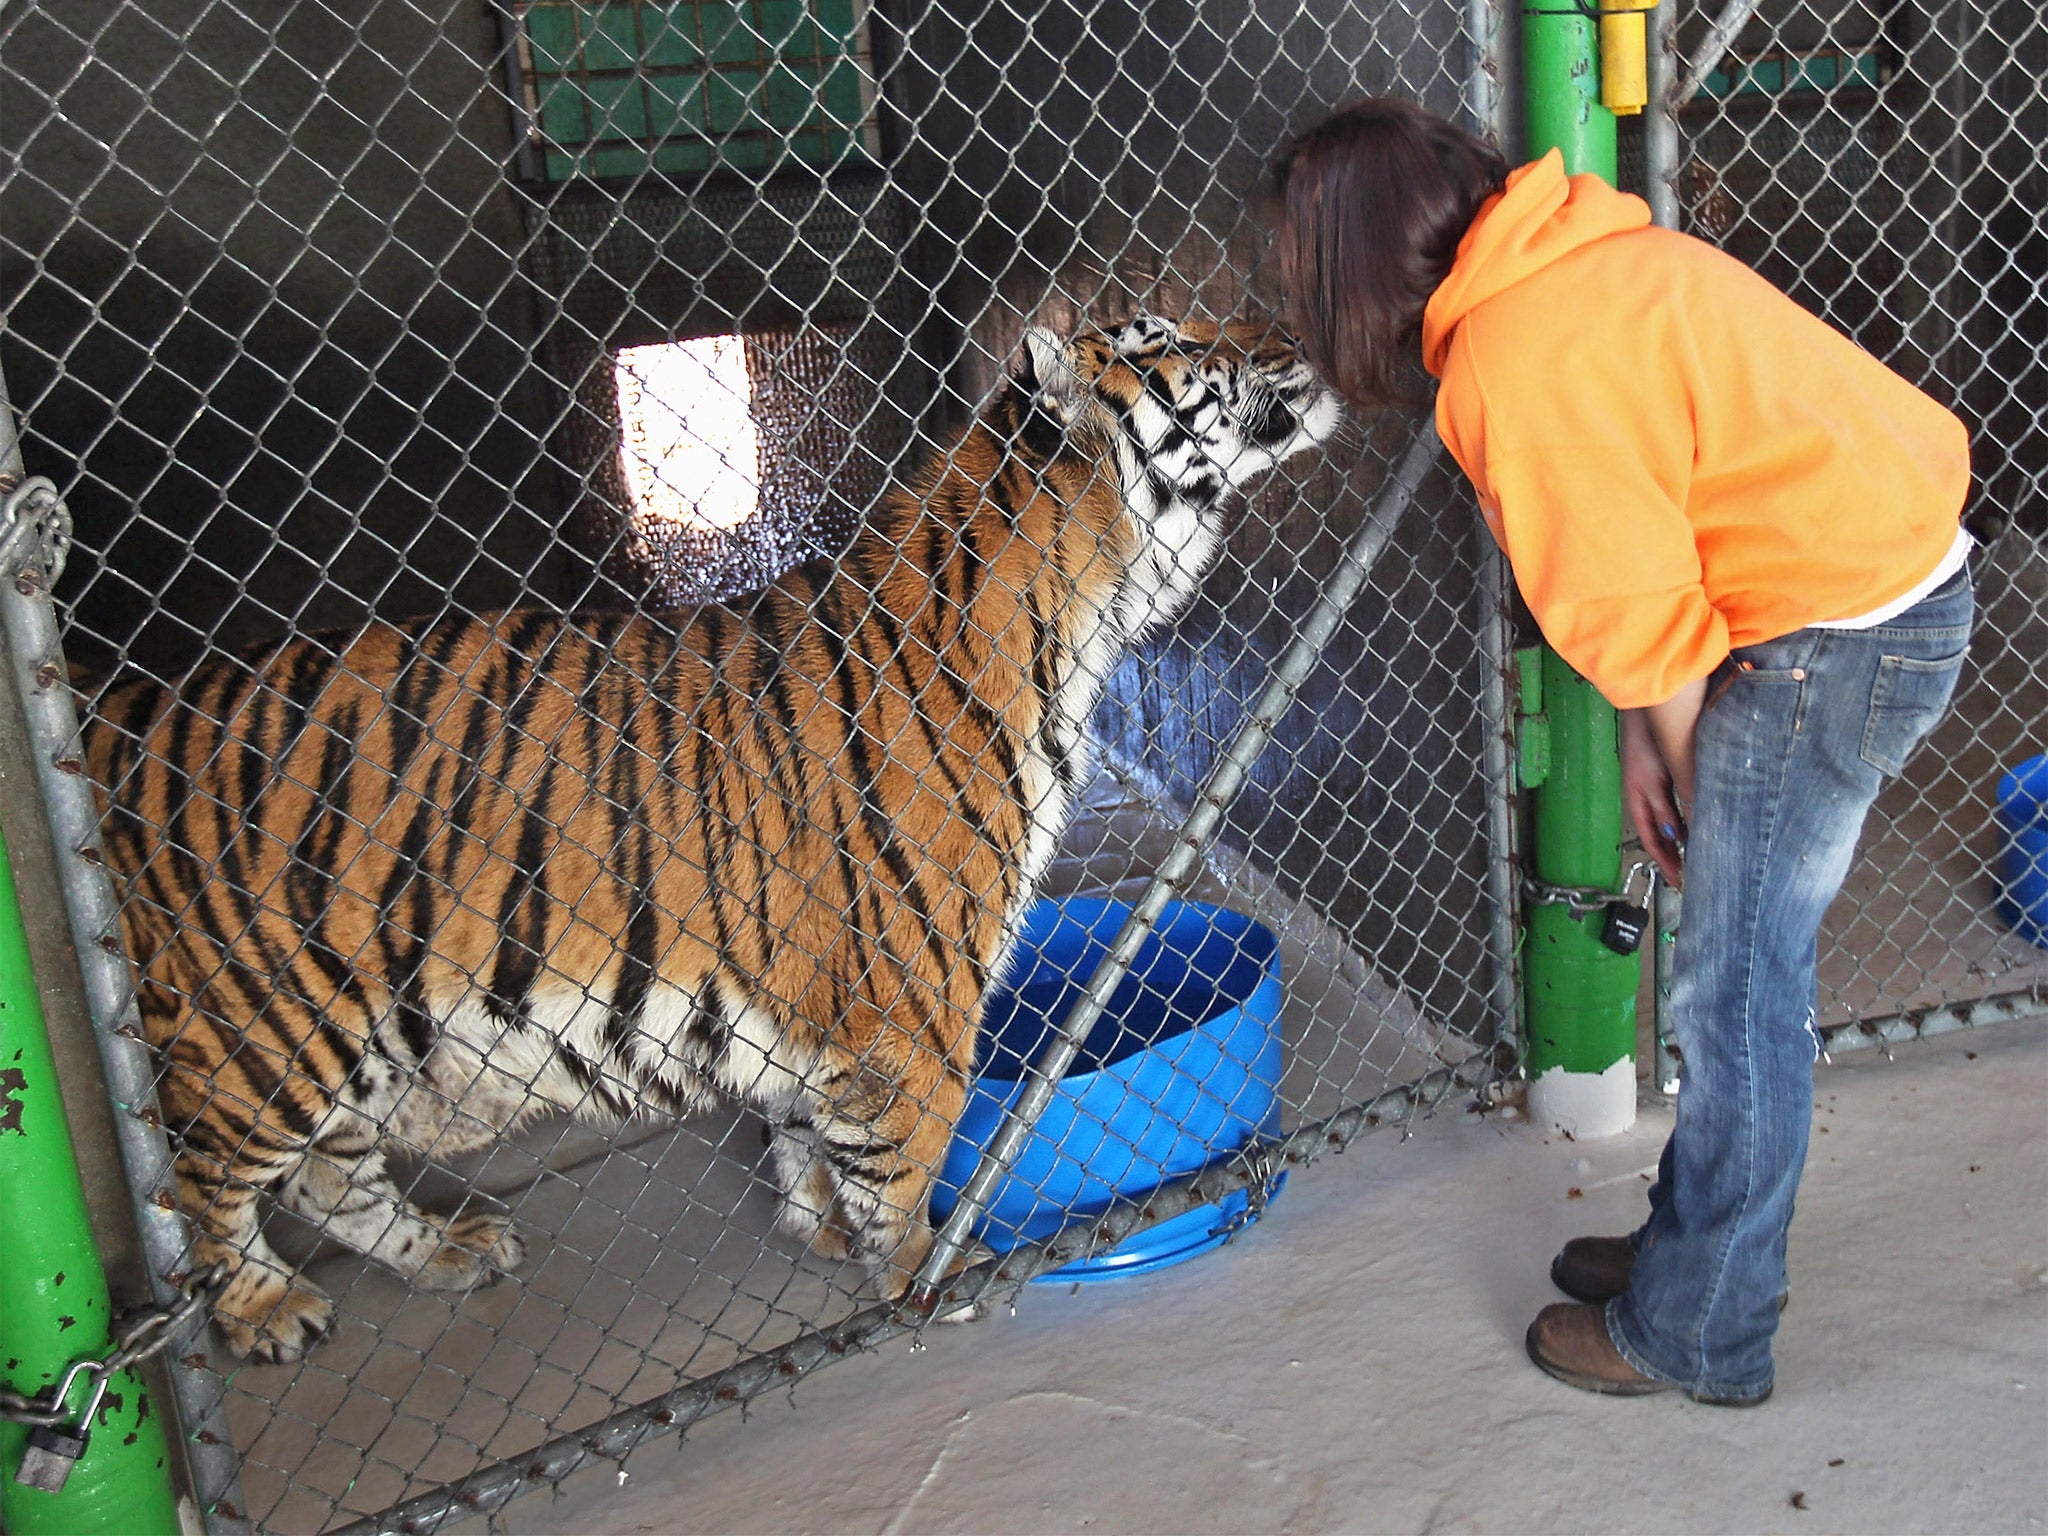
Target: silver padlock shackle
{"points": [[101, 1375]]}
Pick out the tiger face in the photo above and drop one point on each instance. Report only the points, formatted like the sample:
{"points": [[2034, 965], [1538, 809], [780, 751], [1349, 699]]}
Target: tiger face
{"points": [[1196, 399], [1193, 410]]}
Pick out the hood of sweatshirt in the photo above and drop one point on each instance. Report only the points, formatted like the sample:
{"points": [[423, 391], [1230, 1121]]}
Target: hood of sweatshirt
{"points": [[1538, 216]]}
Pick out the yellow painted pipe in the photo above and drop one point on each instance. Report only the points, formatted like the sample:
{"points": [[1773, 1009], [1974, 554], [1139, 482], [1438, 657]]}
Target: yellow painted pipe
{"points": [[1624, 56]]}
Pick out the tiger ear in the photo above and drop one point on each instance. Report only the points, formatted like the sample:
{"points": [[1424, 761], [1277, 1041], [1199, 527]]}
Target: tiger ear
{"points": [[1048, 374], [1145, 330]]}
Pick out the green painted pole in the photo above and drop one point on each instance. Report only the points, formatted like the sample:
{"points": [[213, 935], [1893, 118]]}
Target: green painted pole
{"points": [[54, 1307], [1561, 89], [1579, 1001]]}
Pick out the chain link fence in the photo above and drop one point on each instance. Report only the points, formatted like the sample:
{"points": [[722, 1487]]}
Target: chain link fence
{"points": [[1884, 166], [417, 312]]}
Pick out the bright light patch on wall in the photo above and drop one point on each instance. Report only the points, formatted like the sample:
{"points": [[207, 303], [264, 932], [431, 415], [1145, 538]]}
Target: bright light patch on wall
{"points": [[692, 453]]}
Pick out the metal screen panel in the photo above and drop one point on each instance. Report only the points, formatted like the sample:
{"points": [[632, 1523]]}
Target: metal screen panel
{"points": [[639, 85]]}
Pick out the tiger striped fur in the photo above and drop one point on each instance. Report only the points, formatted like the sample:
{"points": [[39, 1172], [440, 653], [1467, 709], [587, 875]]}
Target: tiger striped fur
{"points": [[414, 886]]}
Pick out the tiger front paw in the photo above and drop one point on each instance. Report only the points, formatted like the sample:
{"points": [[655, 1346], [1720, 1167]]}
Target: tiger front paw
{"points": [[270, 1319], [475, 1250]]}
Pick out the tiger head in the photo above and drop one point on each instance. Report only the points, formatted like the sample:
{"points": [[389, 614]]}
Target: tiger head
{"points": [[1195, 408], [1189, 412]]}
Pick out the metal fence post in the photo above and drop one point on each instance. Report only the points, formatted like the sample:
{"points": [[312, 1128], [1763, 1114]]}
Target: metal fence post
{"points": [[1660, 170], [37, 662], [1485, 21]]}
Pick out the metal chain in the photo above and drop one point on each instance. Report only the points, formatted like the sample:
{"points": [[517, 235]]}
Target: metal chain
{"points": [[1584, 900], [137, 1338], [34, 504]]}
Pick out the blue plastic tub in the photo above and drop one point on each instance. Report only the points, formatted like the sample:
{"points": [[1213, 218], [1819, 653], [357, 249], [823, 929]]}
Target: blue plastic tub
{"points": [[2023, 850], [1183, 1068]]}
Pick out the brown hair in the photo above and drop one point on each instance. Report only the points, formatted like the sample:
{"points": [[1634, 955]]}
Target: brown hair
{"points": [[1373, 202]]}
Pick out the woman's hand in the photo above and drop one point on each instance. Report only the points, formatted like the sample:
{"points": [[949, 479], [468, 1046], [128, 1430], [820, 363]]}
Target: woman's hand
{"points": [[1672, 726], [1650, 796]]}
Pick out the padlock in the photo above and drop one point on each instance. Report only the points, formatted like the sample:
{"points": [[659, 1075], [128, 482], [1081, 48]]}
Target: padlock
{"points": [[51, 1454], [1627, 920]]}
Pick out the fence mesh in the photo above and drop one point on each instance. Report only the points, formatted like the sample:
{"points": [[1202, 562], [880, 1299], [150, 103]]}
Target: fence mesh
{"points": [[1882, 167], [417, 312]]}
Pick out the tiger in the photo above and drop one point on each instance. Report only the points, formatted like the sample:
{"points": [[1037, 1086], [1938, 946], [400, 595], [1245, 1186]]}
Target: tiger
{"points": [[404, 889]]}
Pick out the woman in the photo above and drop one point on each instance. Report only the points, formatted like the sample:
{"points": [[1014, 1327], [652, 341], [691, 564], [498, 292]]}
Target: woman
{"points": [[1744, 531]]}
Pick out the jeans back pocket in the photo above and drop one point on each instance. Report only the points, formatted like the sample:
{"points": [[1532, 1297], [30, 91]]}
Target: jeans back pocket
{"points": [[1908, 699]]}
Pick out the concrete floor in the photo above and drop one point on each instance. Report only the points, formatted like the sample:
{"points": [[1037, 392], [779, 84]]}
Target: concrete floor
{"points": [[1354, 1363]]}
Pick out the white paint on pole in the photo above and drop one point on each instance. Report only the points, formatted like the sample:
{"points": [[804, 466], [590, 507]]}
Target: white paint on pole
{"points": [[1586, 1105]]}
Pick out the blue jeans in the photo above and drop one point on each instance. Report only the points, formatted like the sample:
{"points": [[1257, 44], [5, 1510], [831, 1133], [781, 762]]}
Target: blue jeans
{"points": [[1798, 736]]}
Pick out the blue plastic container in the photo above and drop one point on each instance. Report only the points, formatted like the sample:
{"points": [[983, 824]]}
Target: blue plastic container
{"points": [[1182, 1069], [2023, 850]]}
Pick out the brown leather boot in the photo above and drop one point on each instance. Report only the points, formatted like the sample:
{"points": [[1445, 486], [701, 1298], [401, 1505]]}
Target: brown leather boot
{"points": [[1570, 1341], [1594, 1269], [1597, 1269]]}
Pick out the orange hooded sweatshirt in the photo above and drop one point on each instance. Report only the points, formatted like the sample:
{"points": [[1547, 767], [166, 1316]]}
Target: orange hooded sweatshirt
{"points": [[1675, 456]]}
